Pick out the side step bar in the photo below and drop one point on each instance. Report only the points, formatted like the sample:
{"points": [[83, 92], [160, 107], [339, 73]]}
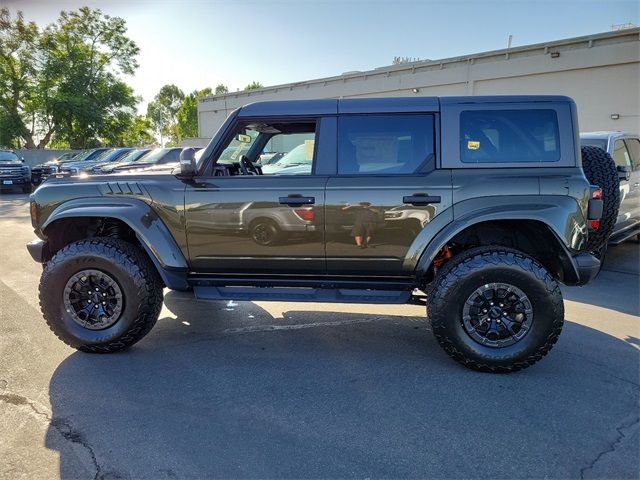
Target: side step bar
{"points": [[624, 235], [302, 294]]}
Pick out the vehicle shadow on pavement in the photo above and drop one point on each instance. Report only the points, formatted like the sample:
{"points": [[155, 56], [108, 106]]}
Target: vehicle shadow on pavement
{"points": [[216, 390], [617, 286]]}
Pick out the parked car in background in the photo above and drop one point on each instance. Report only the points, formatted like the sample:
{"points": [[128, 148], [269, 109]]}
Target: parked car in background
{"points": [[85, 165], [40, 172], [132, 156], [13, 172], [625, 150], [85, 156], [105, 158], [157, 156]]}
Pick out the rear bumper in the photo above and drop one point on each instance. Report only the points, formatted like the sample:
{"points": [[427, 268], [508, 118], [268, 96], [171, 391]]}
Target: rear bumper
{"points": [[38, 249], [587, 267]]}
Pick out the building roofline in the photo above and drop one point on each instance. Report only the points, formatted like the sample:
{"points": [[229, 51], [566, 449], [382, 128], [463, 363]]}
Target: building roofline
{"points": [[588, 39]]}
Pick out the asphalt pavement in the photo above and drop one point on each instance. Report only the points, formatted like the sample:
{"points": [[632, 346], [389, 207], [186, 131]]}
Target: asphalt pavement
{"points": [[298, 390]]}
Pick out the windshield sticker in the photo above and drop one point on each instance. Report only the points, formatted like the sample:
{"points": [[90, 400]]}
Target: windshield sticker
{"points": [[473, 144]]}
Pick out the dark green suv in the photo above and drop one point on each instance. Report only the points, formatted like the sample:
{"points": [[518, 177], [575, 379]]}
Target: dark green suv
{"points": [[480, 202]]}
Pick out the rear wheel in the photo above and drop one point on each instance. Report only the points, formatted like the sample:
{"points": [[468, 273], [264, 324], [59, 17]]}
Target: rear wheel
{"points": [[100, 295], [600, 170], [495, 309]]}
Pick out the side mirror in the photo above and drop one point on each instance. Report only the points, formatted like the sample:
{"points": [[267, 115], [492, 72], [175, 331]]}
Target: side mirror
{"points": [[624, 172], [188, 167], [22, 159]]}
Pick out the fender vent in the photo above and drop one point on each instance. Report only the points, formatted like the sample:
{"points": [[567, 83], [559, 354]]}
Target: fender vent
{"points": [[121, 188]]}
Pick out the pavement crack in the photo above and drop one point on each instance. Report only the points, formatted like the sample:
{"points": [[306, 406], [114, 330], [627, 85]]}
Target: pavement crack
{"points": [[61, 425], [611, 447]]}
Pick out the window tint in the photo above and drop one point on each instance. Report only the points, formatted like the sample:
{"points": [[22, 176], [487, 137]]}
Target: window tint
{"points": [[172, 156], [509, 136], [620, 154], [275, 148], [385, 144], [633, 145]]}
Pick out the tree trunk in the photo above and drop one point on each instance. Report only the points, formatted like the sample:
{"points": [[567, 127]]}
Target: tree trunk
{"points": [[46, 139]]}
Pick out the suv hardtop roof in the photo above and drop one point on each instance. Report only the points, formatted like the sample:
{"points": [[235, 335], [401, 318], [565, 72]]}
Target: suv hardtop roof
{"points": [[381, 105]]}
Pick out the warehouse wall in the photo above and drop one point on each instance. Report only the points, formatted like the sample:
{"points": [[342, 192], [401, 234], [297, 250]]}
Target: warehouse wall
{"points": [[601, 72]]}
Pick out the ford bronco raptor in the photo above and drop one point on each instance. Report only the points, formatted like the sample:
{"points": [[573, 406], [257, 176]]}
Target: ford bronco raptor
{"points": [[480, 202]]}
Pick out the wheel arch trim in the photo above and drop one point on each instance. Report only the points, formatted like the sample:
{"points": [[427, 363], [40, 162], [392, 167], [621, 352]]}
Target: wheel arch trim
{"points": [[561, 215], [151, 231]]}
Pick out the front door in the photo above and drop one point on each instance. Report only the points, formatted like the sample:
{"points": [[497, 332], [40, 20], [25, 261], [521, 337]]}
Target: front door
{"points": [[260, 210], [387, 196]]}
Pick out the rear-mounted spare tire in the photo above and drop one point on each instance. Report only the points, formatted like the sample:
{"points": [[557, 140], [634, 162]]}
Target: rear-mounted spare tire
{"points": [[600, 170]]}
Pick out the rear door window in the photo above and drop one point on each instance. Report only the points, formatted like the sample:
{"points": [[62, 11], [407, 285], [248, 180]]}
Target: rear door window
{"points": [[509, 136], [385, 144]]}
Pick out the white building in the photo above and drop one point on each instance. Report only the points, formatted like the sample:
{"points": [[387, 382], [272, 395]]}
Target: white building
{"points": [[600, 72]]}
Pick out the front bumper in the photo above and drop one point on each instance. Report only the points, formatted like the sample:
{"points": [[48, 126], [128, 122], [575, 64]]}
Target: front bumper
{"points": [[7, 182]]}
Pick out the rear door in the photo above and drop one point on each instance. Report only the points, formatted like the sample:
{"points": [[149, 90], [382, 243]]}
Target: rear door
{"points": [[387, 195]]}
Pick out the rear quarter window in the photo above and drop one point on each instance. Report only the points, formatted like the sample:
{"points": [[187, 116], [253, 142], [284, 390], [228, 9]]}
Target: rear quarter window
{"points": [[509, 136]]}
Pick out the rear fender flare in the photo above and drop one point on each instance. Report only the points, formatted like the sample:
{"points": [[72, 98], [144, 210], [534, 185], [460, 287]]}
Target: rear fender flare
{"points": [[562, 215]]}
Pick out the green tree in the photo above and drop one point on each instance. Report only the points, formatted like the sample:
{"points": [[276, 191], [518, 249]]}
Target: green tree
{"points": [[163, 111], [18, 78], [253, 86], [187, 116], [221, 88], [63, 81], [139, 133]]}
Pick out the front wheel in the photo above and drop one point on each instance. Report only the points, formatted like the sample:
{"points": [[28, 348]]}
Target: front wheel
{"points": [[495, 309], [100, 295]]}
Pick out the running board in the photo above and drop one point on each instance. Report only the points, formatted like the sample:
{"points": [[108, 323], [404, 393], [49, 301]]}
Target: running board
{"points": [[624, 235], [288, 294]]}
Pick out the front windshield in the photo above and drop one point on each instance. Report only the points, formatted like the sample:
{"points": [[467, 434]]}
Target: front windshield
{"points": [[133, 155], [154, 155], [105, 155], [82, 155], [8, 157], [297, 156]]}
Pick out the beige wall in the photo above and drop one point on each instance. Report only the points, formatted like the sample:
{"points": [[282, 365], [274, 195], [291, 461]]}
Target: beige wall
{"points": [[601, 72]]}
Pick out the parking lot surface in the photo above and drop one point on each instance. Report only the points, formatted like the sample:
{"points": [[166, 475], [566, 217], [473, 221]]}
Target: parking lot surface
{"points": [[283, 390]]}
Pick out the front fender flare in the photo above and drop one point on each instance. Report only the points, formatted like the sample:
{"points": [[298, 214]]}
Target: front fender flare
{"points": [[152, 232]]}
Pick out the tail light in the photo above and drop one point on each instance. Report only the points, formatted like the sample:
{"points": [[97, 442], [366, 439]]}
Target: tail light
{"points": [[596, 206], [305, 214]]}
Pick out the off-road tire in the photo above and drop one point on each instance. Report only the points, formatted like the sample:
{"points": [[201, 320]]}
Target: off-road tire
{"points": [[136, 276], [600, 169], [462, 275]]}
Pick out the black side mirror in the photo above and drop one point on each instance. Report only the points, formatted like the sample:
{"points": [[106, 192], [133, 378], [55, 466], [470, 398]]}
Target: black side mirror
{"points": [[188, 167], [624, 172]]}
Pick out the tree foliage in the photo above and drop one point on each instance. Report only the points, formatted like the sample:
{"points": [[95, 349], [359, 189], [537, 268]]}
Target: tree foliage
{"points": [[163, 111], [63, 81], [253, 86], [188, 113], [221, 88]]}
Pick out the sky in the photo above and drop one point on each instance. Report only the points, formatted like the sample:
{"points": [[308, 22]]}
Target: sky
{"points": [[197, 43]]}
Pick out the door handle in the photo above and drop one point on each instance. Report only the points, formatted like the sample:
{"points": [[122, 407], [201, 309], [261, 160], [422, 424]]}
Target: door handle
{"points": [[420, 199], [296, 200]]}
